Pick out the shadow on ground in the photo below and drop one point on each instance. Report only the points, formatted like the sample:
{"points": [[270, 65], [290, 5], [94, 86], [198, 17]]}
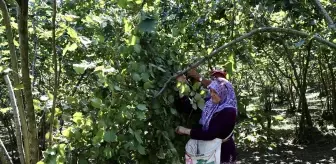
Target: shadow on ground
{"points": [[279, 148]]}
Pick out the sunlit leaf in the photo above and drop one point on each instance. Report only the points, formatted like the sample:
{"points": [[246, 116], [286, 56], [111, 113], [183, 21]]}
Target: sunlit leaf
{"points": [[77, 117], [79, 68], [73, 33], [138, 2], [279, 117], [67, 132], [5, 110], [18, 87]]}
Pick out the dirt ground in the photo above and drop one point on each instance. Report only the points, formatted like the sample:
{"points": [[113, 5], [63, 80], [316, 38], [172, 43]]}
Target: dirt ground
{"points": [[321, 150], [317, 153]]}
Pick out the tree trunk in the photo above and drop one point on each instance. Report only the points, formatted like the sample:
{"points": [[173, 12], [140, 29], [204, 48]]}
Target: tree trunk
{"points": [[18, 132], [23, 34], [305, 115], [4, 156], [324, 90], [56, 74], [292, 97], [15, 76], [333, 93]]}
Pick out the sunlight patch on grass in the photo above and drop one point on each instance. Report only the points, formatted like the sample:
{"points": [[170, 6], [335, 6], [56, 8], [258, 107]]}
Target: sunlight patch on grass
{"points": [[279, 109], [312, 95], [284, 127], [251, 107]]}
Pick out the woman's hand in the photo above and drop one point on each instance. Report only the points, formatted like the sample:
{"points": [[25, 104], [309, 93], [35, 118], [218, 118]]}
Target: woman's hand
{"points": [[182, 130], [193, 73], [181, 78]]}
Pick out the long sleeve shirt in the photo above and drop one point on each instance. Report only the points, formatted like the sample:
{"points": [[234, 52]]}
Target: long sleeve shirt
{"points": [[221, 125]]}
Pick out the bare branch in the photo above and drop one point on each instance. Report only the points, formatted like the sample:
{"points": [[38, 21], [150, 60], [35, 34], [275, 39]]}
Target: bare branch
{"points": [[331, 23], [241, 38]]}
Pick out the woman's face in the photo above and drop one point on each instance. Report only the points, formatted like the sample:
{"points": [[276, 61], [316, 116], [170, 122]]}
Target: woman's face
{"points": [[214, 96]]}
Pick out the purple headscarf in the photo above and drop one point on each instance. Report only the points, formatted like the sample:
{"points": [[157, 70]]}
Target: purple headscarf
{"points": [[225, 91]]}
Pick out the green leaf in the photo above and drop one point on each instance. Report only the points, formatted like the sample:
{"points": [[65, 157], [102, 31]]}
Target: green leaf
{"points": [[145, 76], [96, 102], [196, 86], [137, 48], [79, 68], [18, 87], [334, 40], [99, 137], [5, 110], [200, 103], [197, 97], [148, 85], [136, 77], [67, 132], [142, 107], [127, 25], [141, 150], [72, 32], [117, 88], [61, 149], [279, 117], [173, 111], [134, 40], [59, 32], [160, 154], [72, 47], [82, 160], [147, 25], [138, 2], [108, 152], [122, 3], [137, 136], [77, 117], [110, 136]]}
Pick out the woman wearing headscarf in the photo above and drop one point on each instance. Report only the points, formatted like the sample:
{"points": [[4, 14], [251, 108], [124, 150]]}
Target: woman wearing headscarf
{"points": [[218, 119]]}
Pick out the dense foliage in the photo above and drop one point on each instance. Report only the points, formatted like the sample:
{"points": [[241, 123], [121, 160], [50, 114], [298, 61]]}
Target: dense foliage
{"points": [[115, 56]]}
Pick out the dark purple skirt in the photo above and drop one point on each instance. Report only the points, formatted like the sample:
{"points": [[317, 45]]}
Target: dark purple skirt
{"points": [[228, 151]]}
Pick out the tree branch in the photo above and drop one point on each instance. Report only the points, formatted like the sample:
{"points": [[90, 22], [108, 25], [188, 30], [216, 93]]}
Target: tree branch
{"points": [[331, 23], [4, 156], [15, 76], [241, 38], [56, 74], [24, 53], [18, 131]]}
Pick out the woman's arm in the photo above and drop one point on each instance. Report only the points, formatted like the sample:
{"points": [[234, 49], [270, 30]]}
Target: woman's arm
{"points": [[194, 74], [220, 126]]}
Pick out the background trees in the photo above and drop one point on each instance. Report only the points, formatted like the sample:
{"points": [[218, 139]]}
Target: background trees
{"points": [[98, 76]]}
